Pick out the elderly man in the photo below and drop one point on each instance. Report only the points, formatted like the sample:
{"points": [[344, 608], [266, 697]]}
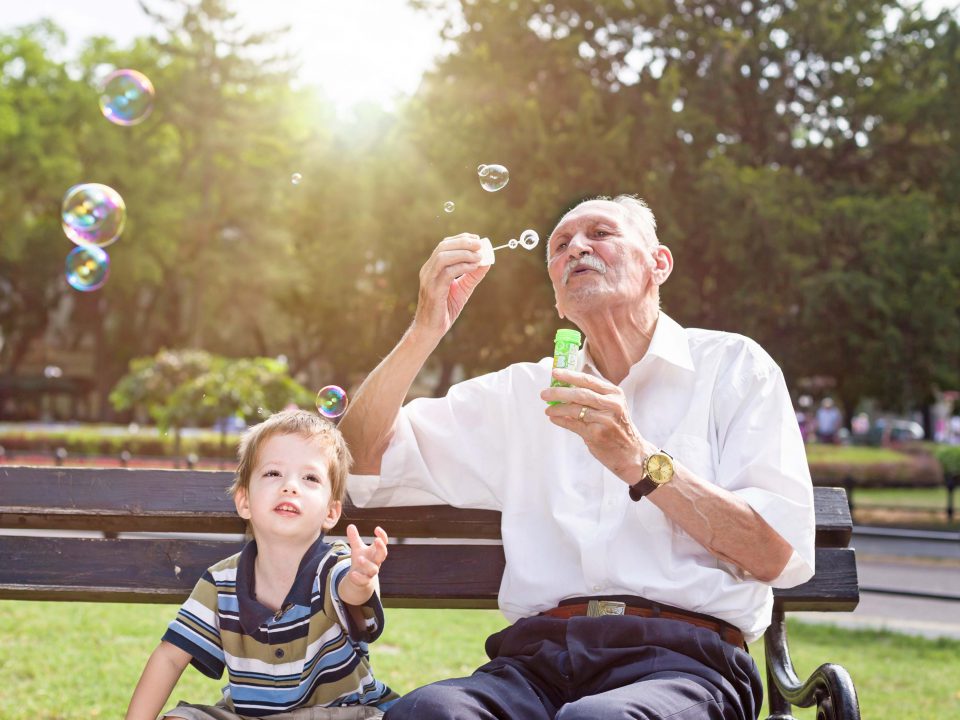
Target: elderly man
{"points": [[646, 516]]}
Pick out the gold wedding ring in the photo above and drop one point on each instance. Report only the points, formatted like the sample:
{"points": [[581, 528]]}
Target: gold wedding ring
{"points": [[583, 414]]}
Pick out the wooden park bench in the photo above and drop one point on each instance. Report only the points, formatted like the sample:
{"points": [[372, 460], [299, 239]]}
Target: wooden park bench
{"points": [[459, 567]]}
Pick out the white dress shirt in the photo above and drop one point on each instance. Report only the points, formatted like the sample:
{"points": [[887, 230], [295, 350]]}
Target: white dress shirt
{"points": [[715, 401]]}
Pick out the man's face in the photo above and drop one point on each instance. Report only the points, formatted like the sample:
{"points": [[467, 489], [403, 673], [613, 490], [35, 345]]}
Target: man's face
{"points": [[597, 254]]}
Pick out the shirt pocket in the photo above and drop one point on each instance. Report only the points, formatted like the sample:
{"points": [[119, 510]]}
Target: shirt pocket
{"points": [[695, 454]]}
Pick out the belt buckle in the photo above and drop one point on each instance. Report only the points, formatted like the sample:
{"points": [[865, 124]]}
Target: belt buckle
{"points": [[597, 608]]}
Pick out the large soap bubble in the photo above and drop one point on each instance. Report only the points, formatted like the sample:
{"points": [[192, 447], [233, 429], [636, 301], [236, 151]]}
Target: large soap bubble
{"points": [[493, 177], [126, 97], [87, 268], [331, 401], [93, 214]]}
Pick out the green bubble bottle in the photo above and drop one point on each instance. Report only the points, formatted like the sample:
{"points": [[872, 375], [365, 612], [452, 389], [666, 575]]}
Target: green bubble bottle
{"points": [[566, 345]]}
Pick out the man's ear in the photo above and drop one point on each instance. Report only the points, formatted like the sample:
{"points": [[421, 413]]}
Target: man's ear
{"points": [[242, 502], [663, 260], [333, 515]]}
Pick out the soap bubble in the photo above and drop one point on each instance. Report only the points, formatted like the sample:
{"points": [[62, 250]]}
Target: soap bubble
{"points": [[480, 168], [493, 177], [331, 401], [513, 244], [449, 206], [296, 178], [87, 268], [529, 239], [126, 97], [93, 214]]}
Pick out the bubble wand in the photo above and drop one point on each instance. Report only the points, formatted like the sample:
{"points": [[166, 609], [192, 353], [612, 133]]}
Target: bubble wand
{"points": [[528, 241]]}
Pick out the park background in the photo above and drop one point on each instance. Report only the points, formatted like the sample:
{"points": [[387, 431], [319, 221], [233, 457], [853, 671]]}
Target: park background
{"points": [[801, 159]]}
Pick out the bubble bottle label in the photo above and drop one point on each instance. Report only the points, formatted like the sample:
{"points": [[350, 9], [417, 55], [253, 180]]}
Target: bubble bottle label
{"points": [[566, 346]]}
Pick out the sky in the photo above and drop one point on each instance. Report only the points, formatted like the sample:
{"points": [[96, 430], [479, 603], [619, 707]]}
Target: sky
{"points": [[353, 59]]}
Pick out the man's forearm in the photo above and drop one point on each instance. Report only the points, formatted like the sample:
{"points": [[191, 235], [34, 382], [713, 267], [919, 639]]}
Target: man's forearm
{"points": [[724, 524], [368, 423]]}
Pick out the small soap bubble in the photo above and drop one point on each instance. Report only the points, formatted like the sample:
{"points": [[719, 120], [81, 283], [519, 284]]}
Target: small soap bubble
{"points": [[480, 168], [93, 214], [87, 268], [126, 97], [513, 244], [449, 206], [493, 177], [331, 401], [529, 239], [296, 178]]}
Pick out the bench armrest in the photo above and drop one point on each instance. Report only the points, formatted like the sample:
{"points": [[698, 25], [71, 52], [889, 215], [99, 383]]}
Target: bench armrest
{"points": [[830, 686]]}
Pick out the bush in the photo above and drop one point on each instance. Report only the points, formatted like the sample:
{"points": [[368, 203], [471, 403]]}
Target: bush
{"points": [[92, 441], [921, 470], [949, 458]]}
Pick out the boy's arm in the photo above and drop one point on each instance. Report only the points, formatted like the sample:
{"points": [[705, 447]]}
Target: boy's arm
{"points": [[160, 676], [361, 582]]}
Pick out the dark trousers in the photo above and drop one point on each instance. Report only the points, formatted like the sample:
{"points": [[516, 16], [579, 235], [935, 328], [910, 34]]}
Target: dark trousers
{"points": [[597, 668]]}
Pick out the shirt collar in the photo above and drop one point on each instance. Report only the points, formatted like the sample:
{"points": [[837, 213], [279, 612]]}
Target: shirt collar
{"points": [[669, 342], [253, 613]]}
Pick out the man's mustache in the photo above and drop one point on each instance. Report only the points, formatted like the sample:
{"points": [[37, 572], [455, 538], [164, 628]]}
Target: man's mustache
{"points": [[592, 262]]}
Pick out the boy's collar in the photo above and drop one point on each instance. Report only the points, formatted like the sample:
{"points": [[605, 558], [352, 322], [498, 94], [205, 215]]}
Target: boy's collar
{"points": [[253, 613]]}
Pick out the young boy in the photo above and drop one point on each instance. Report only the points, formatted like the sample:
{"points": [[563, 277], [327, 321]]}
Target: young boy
{"points": [[289, 616]]}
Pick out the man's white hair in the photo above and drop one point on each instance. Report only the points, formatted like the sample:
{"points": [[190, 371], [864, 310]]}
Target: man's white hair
{"points": [[637, 212], [640, 214]]}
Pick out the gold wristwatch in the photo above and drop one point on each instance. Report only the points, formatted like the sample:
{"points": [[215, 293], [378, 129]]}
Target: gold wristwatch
{"points": [[657, 471]]}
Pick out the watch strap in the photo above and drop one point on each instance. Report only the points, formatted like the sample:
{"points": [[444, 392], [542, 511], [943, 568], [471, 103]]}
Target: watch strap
{"points": [[640, 490]]}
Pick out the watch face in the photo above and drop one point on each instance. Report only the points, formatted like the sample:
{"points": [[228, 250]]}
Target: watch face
{"points": [[660, 468]]}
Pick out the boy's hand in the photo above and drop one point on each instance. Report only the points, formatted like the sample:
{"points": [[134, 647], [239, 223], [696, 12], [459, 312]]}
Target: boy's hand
{"points": [[365, 561]]}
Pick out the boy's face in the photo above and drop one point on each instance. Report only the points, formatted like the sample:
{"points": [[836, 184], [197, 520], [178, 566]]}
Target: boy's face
{"points": [[289, 494]]}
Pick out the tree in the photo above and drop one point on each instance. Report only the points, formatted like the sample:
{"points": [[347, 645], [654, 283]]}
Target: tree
{"points": [[191, 387], [42, 117]]}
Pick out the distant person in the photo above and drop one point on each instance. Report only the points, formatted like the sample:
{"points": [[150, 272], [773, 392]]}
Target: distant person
{"points": [[955, 430], [290, 616], [804, 417], [829, 421], [860, 424]]}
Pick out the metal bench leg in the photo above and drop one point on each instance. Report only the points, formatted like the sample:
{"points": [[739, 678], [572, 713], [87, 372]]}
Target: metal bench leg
{"points": [[830, 686]]}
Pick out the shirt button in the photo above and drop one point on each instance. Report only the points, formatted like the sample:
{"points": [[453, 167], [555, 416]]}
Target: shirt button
{"points": [[278, 652]]}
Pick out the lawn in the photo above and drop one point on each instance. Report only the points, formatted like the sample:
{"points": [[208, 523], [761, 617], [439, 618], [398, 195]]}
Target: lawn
{"points": [[104, 648], [852, 454]]}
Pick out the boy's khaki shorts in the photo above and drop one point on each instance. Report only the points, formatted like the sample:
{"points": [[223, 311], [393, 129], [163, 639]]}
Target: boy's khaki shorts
{"points": [[220, 712]]}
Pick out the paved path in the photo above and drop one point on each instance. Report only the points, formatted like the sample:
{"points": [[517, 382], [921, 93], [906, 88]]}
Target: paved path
{"points": [[911, 564]]}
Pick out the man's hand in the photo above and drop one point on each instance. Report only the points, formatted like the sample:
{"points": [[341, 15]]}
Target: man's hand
{"points": [[596, 410], [447, 280], [360, 582]]}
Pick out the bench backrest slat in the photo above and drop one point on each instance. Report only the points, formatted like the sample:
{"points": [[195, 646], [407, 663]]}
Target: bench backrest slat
{"points": [[417, 575], [124, 500]]}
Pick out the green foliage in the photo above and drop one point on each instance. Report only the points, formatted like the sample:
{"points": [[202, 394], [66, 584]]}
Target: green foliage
{"points": [[179, 388], [949, 458], [97, 441], [803, 160]]}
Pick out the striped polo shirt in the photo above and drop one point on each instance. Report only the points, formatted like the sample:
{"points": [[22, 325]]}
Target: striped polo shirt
{"points": [[309, 653]]}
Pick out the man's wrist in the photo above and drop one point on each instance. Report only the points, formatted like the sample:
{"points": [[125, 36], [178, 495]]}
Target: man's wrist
{"points": [[636, 471]]}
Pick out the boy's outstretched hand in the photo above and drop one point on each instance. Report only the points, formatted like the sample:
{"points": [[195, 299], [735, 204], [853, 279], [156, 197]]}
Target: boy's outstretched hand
{"points": [[365, 560]]}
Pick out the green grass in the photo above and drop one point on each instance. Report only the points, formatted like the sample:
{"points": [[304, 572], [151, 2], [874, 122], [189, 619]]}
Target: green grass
{"points": [[66, 661], [852, 454], [934, 498]]}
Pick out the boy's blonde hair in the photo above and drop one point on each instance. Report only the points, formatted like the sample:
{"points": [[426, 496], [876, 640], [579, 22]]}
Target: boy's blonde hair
{"points": [[310, 427]]}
